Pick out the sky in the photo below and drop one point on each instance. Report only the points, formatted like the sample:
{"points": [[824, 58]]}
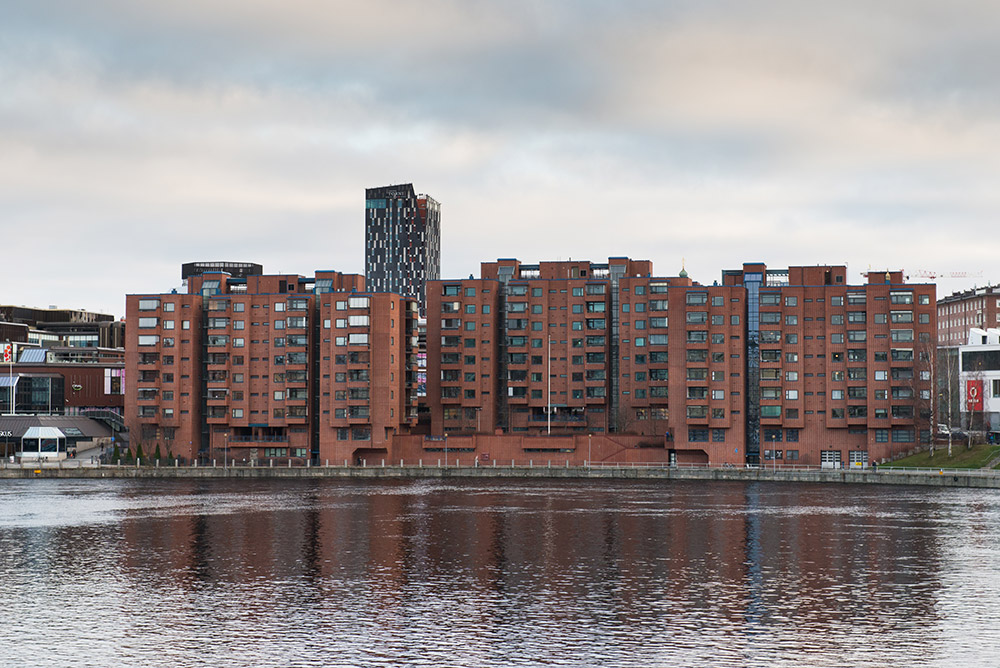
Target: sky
{"points": [[136, 136]]}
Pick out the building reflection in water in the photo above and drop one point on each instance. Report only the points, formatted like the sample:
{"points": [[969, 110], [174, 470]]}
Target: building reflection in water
{"points": [[760, 569]]}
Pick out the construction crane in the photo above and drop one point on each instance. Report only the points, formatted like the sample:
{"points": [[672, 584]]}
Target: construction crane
{"points": [[924, 273]]}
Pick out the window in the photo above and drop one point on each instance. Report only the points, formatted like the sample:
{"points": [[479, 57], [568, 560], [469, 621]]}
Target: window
{"points": [[901, 297], [696, 298], [697, 412], [696, 355], [697, 435], [900, 435]]}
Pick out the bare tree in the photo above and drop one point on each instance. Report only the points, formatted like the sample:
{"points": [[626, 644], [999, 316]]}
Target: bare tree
{"points": [[625, 420], [947, 386]]}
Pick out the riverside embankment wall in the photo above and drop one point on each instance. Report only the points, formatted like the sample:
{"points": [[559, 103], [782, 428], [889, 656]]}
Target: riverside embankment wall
{"points": [[930, 478]]}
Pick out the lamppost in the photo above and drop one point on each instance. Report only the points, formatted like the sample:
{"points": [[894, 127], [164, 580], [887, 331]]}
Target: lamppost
{"points": [[590, 449], [446, 449], [225, 454], [774, 453]]}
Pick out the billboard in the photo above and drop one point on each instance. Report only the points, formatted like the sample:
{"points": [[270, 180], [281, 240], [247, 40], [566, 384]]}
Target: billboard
{"points": [[973, 395]]}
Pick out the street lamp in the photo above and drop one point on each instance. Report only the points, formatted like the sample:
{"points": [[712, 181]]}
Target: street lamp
{"points": [[225, 454], [446, 449]]}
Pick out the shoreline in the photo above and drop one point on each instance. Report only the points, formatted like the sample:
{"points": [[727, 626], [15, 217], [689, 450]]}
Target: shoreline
{"points": [[972, 478]]}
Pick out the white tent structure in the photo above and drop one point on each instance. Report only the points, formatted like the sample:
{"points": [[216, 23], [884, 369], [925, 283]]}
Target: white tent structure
{"points": [[43, 443]]}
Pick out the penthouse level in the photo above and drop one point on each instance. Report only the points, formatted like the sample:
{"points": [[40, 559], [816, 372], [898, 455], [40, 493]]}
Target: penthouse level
{"points": [[792, 364], [270, 367]]}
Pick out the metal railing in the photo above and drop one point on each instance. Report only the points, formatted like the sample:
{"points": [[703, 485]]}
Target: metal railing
{"points": [[455, 463]]}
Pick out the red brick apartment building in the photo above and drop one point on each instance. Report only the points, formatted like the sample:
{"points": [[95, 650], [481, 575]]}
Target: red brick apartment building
{"points": [[259, 367], [788, 365], [960, 312]]}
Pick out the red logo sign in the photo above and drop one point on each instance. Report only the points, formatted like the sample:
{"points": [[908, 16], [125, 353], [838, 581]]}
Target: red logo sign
{"points": [[974, 395]]}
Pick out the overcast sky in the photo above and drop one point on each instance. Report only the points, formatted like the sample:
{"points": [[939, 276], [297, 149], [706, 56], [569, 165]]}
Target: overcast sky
{"points": [[135, 136]]}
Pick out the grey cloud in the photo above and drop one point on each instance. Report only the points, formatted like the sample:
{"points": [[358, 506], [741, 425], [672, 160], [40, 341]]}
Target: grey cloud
{"points": [[715, 132]]}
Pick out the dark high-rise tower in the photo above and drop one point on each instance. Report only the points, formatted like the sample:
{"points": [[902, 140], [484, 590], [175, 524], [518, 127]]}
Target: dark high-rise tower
{"points": [[402, 241]]}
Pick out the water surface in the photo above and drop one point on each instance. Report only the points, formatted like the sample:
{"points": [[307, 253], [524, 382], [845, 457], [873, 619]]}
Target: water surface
{"points": [[506, 573]]}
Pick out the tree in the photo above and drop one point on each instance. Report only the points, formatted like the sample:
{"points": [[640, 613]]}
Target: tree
{"points": [[923, 392], [947, 388], [625, 420]]}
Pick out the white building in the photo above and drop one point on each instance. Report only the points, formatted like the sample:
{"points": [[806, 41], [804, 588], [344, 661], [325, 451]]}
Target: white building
{"points": [[979, 380]]}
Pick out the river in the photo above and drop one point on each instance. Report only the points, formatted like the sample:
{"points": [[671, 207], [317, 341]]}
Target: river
{"points": [[496, 573]]}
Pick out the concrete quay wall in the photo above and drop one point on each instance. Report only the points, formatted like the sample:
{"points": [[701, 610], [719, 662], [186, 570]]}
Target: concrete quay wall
{"points": [[930, 478]]}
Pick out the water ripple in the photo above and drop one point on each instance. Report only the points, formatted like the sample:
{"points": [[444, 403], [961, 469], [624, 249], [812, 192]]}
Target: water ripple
{"points": [[482, 573]]}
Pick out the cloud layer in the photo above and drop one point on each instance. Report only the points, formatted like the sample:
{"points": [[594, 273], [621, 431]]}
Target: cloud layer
{"points": [[137, 136]]}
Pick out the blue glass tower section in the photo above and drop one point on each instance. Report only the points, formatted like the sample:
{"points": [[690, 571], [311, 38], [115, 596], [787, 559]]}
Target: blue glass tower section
{"points": [[402, 241], [752, 282]]}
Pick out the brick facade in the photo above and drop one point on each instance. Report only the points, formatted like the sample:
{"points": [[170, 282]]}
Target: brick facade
{"points": [[267, 366], [793, 365]]}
